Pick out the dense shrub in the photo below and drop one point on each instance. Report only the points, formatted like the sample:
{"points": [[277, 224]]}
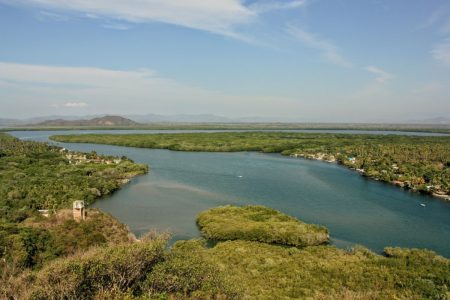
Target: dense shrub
{"points": [[259, 223], [83, 276], [236, 269], [186, 273], [325, 272], [39, 176]]}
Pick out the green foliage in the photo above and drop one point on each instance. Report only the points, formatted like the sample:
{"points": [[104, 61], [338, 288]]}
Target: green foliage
{"points": [[139, 270], [97, 259], [83, 276], [325, 272], [322, 272], [185, 273], [237, 269], [38, 176], [39, 240], [259, 223], [26, 247], [419, 163]]}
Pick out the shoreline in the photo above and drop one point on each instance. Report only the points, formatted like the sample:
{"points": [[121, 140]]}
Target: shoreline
{"points": [[401, 184]]}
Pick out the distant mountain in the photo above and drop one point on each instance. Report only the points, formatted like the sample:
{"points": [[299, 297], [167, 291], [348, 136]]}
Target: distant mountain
{"points": [[147, 118], [101, 121], [130, 120], [56, 117], [5, 122], [182, 118], [199, 118]]}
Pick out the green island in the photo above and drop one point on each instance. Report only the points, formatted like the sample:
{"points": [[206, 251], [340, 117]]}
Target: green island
{"points": [[261, 224], [258, 252], [419, 163]]}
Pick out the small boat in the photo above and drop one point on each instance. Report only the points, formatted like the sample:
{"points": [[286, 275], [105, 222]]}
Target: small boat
{"points": [[422, 204], [240, 176]]}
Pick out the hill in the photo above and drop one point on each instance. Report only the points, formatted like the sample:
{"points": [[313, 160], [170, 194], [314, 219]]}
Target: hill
{"points": [[102, 121]]}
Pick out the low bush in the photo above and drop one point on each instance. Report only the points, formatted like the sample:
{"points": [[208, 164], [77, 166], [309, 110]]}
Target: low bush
{"points": [[83, 276], [266, 271], [185, 273]]}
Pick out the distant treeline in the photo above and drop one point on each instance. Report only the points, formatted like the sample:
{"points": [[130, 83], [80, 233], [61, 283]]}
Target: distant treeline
{"points": [[432, 128]]}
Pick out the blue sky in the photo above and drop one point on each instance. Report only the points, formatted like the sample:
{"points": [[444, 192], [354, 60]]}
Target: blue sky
{"points": [[293, 60]]}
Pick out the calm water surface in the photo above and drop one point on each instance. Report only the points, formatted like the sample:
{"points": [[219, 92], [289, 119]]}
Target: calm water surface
{"points": [[356, 210]]}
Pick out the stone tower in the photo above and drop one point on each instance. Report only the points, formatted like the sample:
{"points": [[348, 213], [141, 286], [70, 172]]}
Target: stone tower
{"points": [[79, 211]]}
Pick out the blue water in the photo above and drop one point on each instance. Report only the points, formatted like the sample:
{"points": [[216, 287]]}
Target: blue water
{"points": [[355, 209]]}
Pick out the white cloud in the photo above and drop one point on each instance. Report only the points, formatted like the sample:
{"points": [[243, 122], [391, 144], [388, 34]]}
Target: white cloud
{"points": [[266, 6], [327, 48], [218, 16], [439, 20], [45, 15], [42, 76], [215, 16], [441, 52], [75, 104], [42, 90], [381, 75], [434, 18]]}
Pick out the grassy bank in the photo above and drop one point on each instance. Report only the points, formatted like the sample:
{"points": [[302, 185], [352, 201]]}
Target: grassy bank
{"points": [[419, 163]]}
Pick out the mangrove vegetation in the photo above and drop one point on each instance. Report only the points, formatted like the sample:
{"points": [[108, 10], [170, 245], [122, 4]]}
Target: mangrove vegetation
{"points": [[259, 223], [38, 183], [245, 253], [236, 269]]}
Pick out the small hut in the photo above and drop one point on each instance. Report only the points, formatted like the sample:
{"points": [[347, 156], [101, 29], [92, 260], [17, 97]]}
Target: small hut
{"points": [[79, 211]]}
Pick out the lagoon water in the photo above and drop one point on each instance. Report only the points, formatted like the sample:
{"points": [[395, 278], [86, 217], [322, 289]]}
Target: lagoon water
{"points": [[355, 209]]}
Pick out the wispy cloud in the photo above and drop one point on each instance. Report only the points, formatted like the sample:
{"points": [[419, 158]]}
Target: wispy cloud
{"points": [[218, 16], [266, 6], [328, 50], [434, 18], [45, 16], [441, 52], [128, 92], [75, 104], [439, 20], [381, 75]]}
